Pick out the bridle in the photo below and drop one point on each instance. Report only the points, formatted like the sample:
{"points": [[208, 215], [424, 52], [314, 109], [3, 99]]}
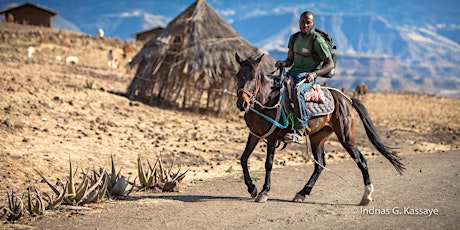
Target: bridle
{"points": [[252, 101], [252, 95]]}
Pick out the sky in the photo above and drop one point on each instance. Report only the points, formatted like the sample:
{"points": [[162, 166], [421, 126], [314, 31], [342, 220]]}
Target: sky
{"points": [[123, 18], [135, 16]]}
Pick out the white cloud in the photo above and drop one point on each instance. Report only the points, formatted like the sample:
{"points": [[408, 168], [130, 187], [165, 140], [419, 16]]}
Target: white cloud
{"points": [[448, 26], [130, 14], [255, 13], [134, 13], [291, 9], [297, 9], [152, 21], [228, 12]]}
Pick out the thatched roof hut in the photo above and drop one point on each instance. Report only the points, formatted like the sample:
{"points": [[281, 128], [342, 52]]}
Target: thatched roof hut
{"points": [[191, 63]]}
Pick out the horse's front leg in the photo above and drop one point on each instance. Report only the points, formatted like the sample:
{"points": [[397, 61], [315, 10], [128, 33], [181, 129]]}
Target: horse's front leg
{"points": [[263, 195], [250, 145]]}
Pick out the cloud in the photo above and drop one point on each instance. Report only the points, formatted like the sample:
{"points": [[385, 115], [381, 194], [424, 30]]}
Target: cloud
{"points": [[8, 6], [152, 21], [288, 9], [127, 14], [449, 27], [134, 13], [227, 12], [256, 12]]}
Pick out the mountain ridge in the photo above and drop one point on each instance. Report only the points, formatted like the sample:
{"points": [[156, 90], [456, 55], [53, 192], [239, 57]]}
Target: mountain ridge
{"points": [[370, 49], [417, 44]]}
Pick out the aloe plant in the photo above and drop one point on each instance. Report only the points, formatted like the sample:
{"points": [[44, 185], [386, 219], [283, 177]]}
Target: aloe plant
{"points": [[170, 178], [15, 207], [91, 189], [159, 176], [97, 187], [87, 190], [117, 183], [54, 202], [147, 179], [35, 202]]}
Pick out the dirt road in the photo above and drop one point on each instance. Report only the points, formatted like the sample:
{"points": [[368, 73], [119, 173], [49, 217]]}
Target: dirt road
{"points": [[430, 187]]}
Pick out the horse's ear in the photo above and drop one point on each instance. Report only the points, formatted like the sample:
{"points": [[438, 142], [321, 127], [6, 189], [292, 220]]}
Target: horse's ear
{"points": [[259, 59], [238, 59]]}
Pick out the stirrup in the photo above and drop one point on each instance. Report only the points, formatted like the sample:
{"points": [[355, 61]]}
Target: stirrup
{"points": [[296, 137]]}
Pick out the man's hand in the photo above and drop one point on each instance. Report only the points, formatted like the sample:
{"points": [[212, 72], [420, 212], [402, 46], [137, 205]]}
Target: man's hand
{"points": [[310, 77], [280, 63]]}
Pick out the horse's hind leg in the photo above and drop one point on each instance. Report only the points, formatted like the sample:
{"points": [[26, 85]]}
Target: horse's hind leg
{"points": [[368, 187], [349, 144], [317, 146], [250, 145]]}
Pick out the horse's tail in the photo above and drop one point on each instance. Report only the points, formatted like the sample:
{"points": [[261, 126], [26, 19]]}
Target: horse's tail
{"points": [[375, 139]]}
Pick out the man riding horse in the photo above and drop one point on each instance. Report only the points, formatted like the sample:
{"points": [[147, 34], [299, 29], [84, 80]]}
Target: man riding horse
{"points": [[261, 98], [307, 65]]}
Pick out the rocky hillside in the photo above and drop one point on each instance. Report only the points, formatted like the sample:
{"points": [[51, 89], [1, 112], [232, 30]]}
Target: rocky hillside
{"points": [[91, 51]]}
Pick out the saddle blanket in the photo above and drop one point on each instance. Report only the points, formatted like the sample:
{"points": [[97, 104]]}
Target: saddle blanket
{"points": [[320, 108], [318, 100]]}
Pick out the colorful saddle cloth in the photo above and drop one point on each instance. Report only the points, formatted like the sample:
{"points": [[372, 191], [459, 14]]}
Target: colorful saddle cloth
{"points": [[318, 100]]}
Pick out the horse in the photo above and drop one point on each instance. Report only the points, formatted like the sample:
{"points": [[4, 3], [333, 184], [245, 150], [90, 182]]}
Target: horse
{"points": [[259, 96], [127, 49], [361, 90], [114, 58]]}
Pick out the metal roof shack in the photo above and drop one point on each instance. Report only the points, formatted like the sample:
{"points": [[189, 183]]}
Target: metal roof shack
{"points": [[29, 14]]}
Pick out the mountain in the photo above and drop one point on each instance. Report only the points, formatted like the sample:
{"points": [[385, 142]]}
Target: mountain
{"points": [[390, 45], [371, 51]]}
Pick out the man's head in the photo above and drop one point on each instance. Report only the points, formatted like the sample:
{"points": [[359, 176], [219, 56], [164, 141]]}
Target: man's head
{"points": [[306, 22]]}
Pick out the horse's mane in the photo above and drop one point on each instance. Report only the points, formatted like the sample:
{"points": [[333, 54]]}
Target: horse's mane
{"points": [[251, 62]]}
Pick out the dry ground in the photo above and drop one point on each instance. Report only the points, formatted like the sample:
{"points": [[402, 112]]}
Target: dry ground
{"points": [[49, 113]]}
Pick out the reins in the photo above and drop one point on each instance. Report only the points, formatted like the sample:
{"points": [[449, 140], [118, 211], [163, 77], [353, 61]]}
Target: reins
{"points": [[280, 112]]}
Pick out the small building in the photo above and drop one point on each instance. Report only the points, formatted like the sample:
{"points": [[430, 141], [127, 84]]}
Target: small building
{"points": [[29, 14], [147, 34]]}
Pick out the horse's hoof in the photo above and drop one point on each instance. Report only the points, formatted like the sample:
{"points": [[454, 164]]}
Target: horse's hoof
{"points": [[261, 198], [365, 201], [254, 192], [298, 198]]}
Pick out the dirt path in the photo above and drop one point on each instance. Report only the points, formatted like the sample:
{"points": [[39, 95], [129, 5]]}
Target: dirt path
{"points": [[431, 182]]}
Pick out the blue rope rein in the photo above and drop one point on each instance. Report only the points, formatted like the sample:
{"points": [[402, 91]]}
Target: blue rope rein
{"points": [[283, 113]]}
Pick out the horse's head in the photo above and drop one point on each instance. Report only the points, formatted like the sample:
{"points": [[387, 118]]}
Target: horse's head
{"points": [[249, 81]]}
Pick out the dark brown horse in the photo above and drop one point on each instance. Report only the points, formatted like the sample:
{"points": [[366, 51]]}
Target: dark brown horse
{"points": [[361, 90], [259, 97]]}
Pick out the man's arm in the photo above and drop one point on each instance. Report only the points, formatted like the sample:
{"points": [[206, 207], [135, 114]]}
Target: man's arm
{"points": [[328, 65]]}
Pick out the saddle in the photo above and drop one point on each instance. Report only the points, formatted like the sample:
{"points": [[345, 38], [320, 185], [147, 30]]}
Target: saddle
{"points": [[318, 100]]}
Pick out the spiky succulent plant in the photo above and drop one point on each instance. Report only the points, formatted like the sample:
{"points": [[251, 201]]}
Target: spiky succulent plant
{"points": [[159, 176], [15, 207], [117, 183], [35, 202]]}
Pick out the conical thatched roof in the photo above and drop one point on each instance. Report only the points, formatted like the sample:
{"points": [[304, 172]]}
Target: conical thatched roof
{"points": [[191, 62]]}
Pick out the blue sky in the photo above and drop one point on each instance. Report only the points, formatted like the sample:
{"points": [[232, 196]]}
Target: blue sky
{"points": [[136, 16], [122, 18]]}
